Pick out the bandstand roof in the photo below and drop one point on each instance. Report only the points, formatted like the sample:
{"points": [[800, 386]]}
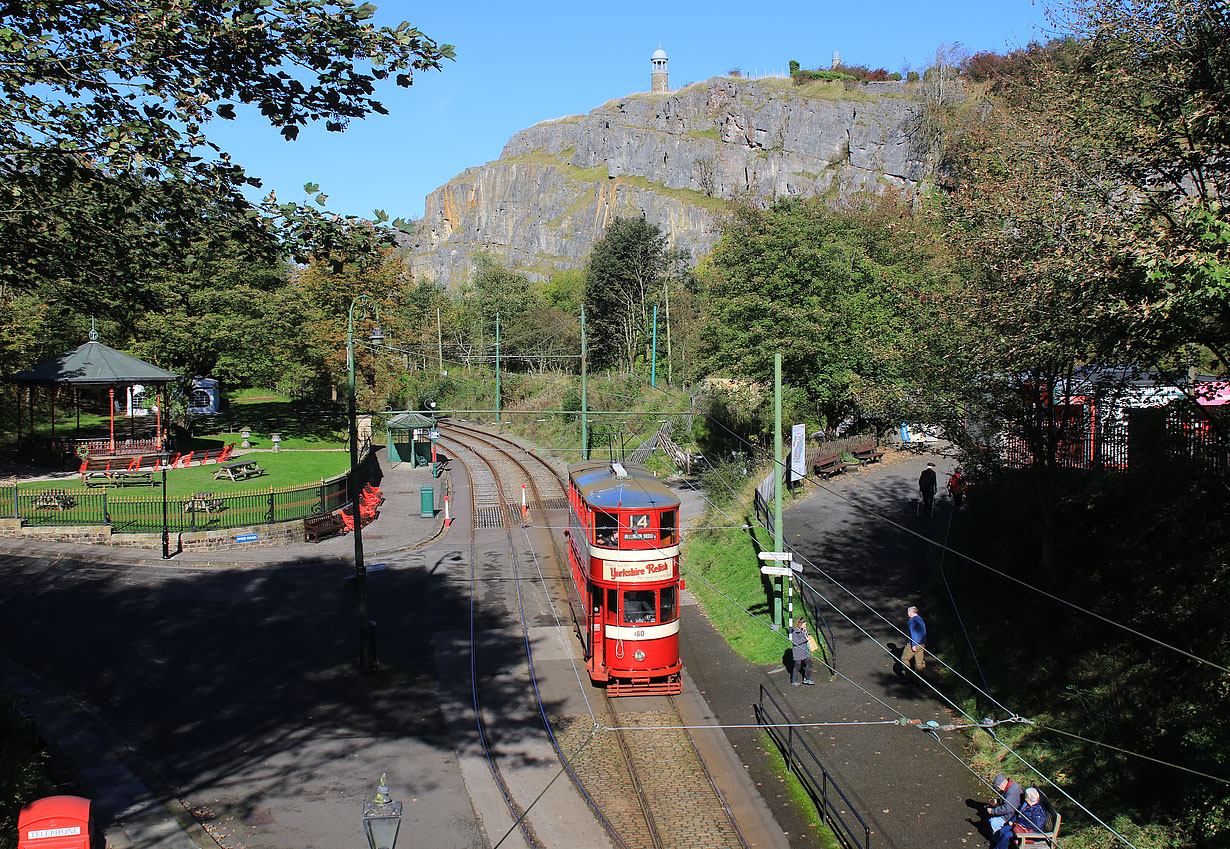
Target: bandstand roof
{"points": [[93, 364]]}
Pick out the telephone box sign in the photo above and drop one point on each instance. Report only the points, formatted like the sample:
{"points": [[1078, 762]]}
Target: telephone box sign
{"points": [[39, 834]]}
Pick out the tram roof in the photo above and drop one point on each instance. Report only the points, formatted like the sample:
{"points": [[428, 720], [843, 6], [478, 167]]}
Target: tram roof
{"points": [[599, 486]]}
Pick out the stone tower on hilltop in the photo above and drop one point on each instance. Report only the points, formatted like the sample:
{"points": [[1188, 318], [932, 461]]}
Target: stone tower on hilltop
{"points": [[658, 80]]}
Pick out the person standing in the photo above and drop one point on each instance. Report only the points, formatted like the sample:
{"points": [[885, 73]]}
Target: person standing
{"points": [[800, 653], [927, 485], [913, 655], [956, 488]]}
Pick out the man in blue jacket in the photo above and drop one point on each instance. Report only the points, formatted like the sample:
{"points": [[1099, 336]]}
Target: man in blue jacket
{"points": [[913, 655]]}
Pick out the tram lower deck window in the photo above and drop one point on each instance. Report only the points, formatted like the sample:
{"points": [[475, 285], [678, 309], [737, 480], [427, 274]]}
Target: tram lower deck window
{"points": [[668, 604], [640, 607]]}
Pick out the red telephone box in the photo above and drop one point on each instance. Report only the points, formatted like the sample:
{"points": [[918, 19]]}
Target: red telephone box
{"points": [[57, 822]]}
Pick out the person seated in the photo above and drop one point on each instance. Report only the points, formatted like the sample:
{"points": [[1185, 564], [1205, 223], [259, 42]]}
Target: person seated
{"points": [[1010, 795], [1031, 817]]}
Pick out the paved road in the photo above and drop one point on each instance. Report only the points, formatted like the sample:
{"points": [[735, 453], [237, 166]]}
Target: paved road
{"points": [[902, 781]]}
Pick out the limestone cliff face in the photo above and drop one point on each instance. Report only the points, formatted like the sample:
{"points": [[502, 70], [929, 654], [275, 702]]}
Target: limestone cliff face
{"points": [[675, 158]]}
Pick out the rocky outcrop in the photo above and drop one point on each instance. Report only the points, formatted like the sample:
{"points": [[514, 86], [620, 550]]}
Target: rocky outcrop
{"points": [[677, 158]]}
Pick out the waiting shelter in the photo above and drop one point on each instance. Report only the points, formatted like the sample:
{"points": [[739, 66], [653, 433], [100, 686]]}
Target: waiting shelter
{"points": [[93, 366], [410, 438]]}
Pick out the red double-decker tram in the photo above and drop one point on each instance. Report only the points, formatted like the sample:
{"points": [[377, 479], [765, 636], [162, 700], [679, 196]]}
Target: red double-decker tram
{"points": [[624, 559]]}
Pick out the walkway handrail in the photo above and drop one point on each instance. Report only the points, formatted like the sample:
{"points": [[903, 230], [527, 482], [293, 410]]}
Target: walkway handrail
{"points": [[804, 762]]}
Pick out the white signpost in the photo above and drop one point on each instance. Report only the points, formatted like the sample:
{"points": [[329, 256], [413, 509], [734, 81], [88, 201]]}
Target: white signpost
{"points": [[778, 556]]}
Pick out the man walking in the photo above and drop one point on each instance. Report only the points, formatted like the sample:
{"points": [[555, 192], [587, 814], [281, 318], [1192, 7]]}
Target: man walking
{"points": [[927, 485], [913, 655]]}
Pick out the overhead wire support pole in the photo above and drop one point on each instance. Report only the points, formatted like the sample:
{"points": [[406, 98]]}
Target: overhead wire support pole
{"points": [[778, 482], [584, 394], [497, 368], [653, 362]]}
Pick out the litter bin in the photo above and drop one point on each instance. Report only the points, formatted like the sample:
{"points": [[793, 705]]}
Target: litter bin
{"points": [[427, 502], [57, 822]]}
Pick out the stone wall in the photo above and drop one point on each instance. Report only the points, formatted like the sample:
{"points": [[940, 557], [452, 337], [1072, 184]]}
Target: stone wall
{"points": [[268, 536]]}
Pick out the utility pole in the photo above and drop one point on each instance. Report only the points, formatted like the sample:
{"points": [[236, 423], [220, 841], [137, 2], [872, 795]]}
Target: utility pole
{"points": [[584, 394], [669, 377], [497, 368], [778, 482], [440, 341], [653, 362]]}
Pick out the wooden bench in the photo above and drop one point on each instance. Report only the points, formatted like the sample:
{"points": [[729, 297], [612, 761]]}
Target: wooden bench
{"points": [[1041, 838], [867, 452], [828, 465], [54, 499], [316, 528]]}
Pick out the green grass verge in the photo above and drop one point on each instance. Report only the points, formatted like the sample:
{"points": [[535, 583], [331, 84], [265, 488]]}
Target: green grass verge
{"points": [[819, 831]]}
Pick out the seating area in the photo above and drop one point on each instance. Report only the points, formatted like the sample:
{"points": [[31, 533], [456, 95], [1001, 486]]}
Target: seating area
{"points": [[316, 528], [239, 470], [867, 452], [139, 469], [1041, 838], [54, 499], [204, 502], [370, 499], [828, 465]]}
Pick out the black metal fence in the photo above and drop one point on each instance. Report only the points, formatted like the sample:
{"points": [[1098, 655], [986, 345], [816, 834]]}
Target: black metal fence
{"points": [[38, 505], [816, 780], [1143, 435]]}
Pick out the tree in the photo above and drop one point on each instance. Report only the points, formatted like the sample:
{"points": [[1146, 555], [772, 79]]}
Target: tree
{"points": [[622, 282], [843, 296], [106, 169]]}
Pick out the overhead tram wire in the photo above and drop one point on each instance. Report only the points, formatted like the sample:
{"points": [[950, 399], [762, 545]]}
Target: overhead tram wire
{"points": [[755, 451], [1015, 718]]}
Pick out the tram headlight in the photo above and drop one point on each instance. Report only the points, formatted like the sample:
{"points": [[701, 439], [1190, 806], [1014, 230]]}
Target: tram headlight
{"points": [[640, 655]]}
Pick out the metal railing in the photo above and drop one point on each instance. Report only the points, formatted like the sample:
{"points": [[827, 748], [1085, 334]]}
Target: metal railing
{"points": [[41, 506], [816, 780]]}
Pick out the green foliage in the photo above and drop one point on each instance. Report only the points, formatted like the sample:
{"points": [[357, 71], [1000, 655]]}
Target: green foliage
{"points": [[833, 292], [25, 769], [108, 178], [1151, 545], [623, 280]]}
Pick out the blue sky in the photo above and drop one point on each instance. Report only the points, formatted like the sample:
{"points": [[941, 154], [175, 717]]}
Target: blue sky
{"points": [[522, 63]]}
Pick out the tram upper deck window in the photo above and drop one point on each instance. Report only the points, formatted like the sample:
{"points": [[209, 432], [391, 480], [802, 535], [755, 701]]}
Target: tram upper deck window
{"points": [[670, 532], [640, 607], [668, 604], [606, 530]]}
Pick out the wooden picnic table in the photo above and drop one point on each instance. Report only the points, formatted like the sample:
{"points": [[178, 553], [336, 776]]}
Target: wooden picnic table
{"points": [[239, 470], [204, 502]]}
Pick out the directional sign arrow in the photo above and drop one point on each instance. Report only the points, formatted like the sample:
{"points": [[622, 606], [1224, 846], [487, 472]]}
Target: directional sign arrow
{"points": [[776, 555]]}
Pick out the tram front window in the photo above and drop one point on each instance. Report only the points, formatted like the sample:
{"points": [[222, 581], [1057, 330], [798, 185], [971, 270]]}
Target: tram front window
{"points": [[668, 527], [640, 607], [606, 530], [668, 604]]}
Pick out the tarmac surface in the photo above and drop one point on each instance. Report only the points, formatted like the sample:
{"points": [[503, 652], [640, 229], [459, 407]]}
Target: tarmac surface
{"points": [[905, 783]]}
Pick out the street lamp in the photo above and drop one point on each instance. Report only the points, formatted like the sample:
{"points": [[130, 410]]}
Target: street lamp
{"points": [[166, 530], [381, 818], [367, 648]]}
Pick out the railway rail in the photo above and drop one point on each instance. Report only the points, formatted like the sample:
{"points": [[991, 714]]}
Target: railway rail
{"points": [[639, 772]]}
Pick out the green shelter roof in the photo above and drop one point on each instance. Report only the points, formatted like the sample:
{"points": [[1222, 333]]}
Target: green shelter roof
{"points": [[409, 421], [94, 364]]}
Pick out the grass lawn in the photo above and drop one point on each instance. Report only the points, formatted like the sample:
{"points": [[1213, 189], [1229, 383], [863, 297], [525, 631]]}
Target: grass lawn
{"points": [[286, 468]]}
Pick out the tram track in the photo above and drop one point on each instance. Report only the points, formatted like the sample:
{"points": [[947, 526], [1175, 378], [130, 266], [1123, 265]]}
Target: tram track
{"points": [[627, 760]]}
